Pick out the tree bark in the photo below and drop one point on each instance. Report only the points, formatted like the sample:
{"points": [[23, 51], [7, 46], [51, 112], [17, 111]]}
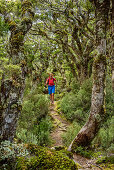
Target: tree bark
{"points": [[97, 111], [112, 49], [12, 89]]}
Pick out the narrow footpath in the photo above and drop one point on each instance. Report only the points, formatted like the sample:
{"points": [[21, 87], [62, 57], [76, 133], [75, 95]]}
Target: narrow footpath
{"points": [[60, 126]]}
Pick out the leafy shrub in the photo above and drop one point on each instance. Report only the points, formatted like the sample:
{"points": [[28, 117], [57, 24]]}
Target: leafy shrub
{"points": [[111, 148], [34, 123], [75, 86], [39, 134], [42, 132], [105, 159], [26, 136], [76, 106], [109, 98], [72, 131], [105, 136], [3, 27], [83, 151], [35, 107]]}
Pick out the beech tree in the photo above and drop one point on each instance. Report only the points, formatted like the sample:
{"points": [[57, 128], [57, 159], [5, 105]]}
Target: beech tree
{"points": [[12, 88], [97, 111], [68, 23], [112, 51]]}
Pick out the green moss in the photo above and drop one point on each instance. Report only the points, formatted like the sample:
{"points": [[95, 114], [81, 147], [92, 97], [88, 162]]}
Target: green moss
{"points": [[26, 20], [28, 10], [100, 58], [58, 148], [98, 118], [21, 163], [12, 25], [26, 4], [44, 159], [14, 106], [17, 38]]}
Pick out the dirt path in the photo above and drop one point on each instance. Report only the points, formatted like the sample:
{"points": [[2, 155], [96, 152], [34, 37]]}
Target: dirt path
{"points": [[85, 163], [60, 126]]}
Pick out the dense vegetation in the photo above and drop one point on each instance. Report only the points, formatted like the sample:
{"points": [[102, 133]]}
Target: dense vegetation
{"points": [[73, 40]]}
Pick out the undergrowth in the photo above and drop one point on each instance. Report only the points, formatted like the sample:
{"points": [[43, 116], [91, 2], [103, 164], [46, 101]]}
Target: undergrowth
{"points": [[76, 104], [34, 124], [76, 107]]}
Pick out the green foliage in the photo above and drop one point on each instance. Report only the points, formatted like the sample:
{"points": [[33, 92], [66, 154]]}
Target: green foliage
{"points": [[12, 70], [72, 131], [106, 162], [109, 98], [76, 106], [38, 134], [3, 62], [75, 86], [44, 158], [43, 132], [105, 159], [106, 136], [35, 107], [86, 6], [3, 27], [34, 124], [83, 151]]}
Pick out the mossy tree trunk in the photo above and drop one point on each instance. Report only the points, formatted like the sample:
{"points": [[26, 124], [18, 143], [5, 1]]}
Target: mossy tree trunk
{"points": [[12, 89], [112, 53], [97, 111]]}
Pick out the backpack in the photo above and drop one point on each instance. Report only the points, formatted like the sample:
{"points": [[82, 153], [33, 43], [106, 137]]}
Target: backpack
{"points": [[48, 80]]}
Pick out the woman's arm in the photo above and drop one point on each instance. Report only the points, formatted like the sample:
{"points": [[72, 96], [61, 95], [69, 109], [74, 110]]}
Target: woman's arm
{"points": [[46, 82]]}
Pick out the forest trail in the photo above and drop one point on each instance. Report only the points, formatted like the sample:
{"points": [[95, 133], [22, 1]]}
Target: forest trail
{"points": [[60, 126]]}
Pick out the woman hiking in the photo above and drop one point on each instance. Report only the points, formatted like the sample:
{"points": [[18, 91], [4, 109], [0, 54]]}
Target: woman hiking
{"points": [[51, 86]]}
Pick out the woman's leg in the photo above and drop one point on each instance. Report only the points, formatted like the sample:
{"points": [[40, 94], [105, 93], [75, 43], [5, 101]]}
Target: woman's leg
{"points": [[53, 91], [50, 92], [52, 97]]}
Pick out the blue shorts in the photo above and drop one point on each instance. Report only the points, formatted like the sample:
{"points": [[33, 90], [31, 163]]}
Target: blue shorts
{"points": [[51, 89]]}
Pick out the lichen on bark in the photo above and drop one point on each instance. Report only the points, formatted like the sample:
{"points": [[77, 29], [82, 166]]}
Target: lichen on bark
{"points": [[12, 89]]}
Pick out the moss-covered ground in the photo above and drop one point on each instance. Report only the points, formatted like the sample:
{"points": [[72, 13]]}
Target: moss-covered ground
{"points": [[42, 158]]}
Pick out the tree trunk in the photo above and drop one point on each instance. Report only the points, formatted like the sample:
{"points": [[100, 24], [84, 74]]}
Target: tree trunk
{"points": [[72, 67], [12, 90], [112, 53], [82, 70], [97, 111]]}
